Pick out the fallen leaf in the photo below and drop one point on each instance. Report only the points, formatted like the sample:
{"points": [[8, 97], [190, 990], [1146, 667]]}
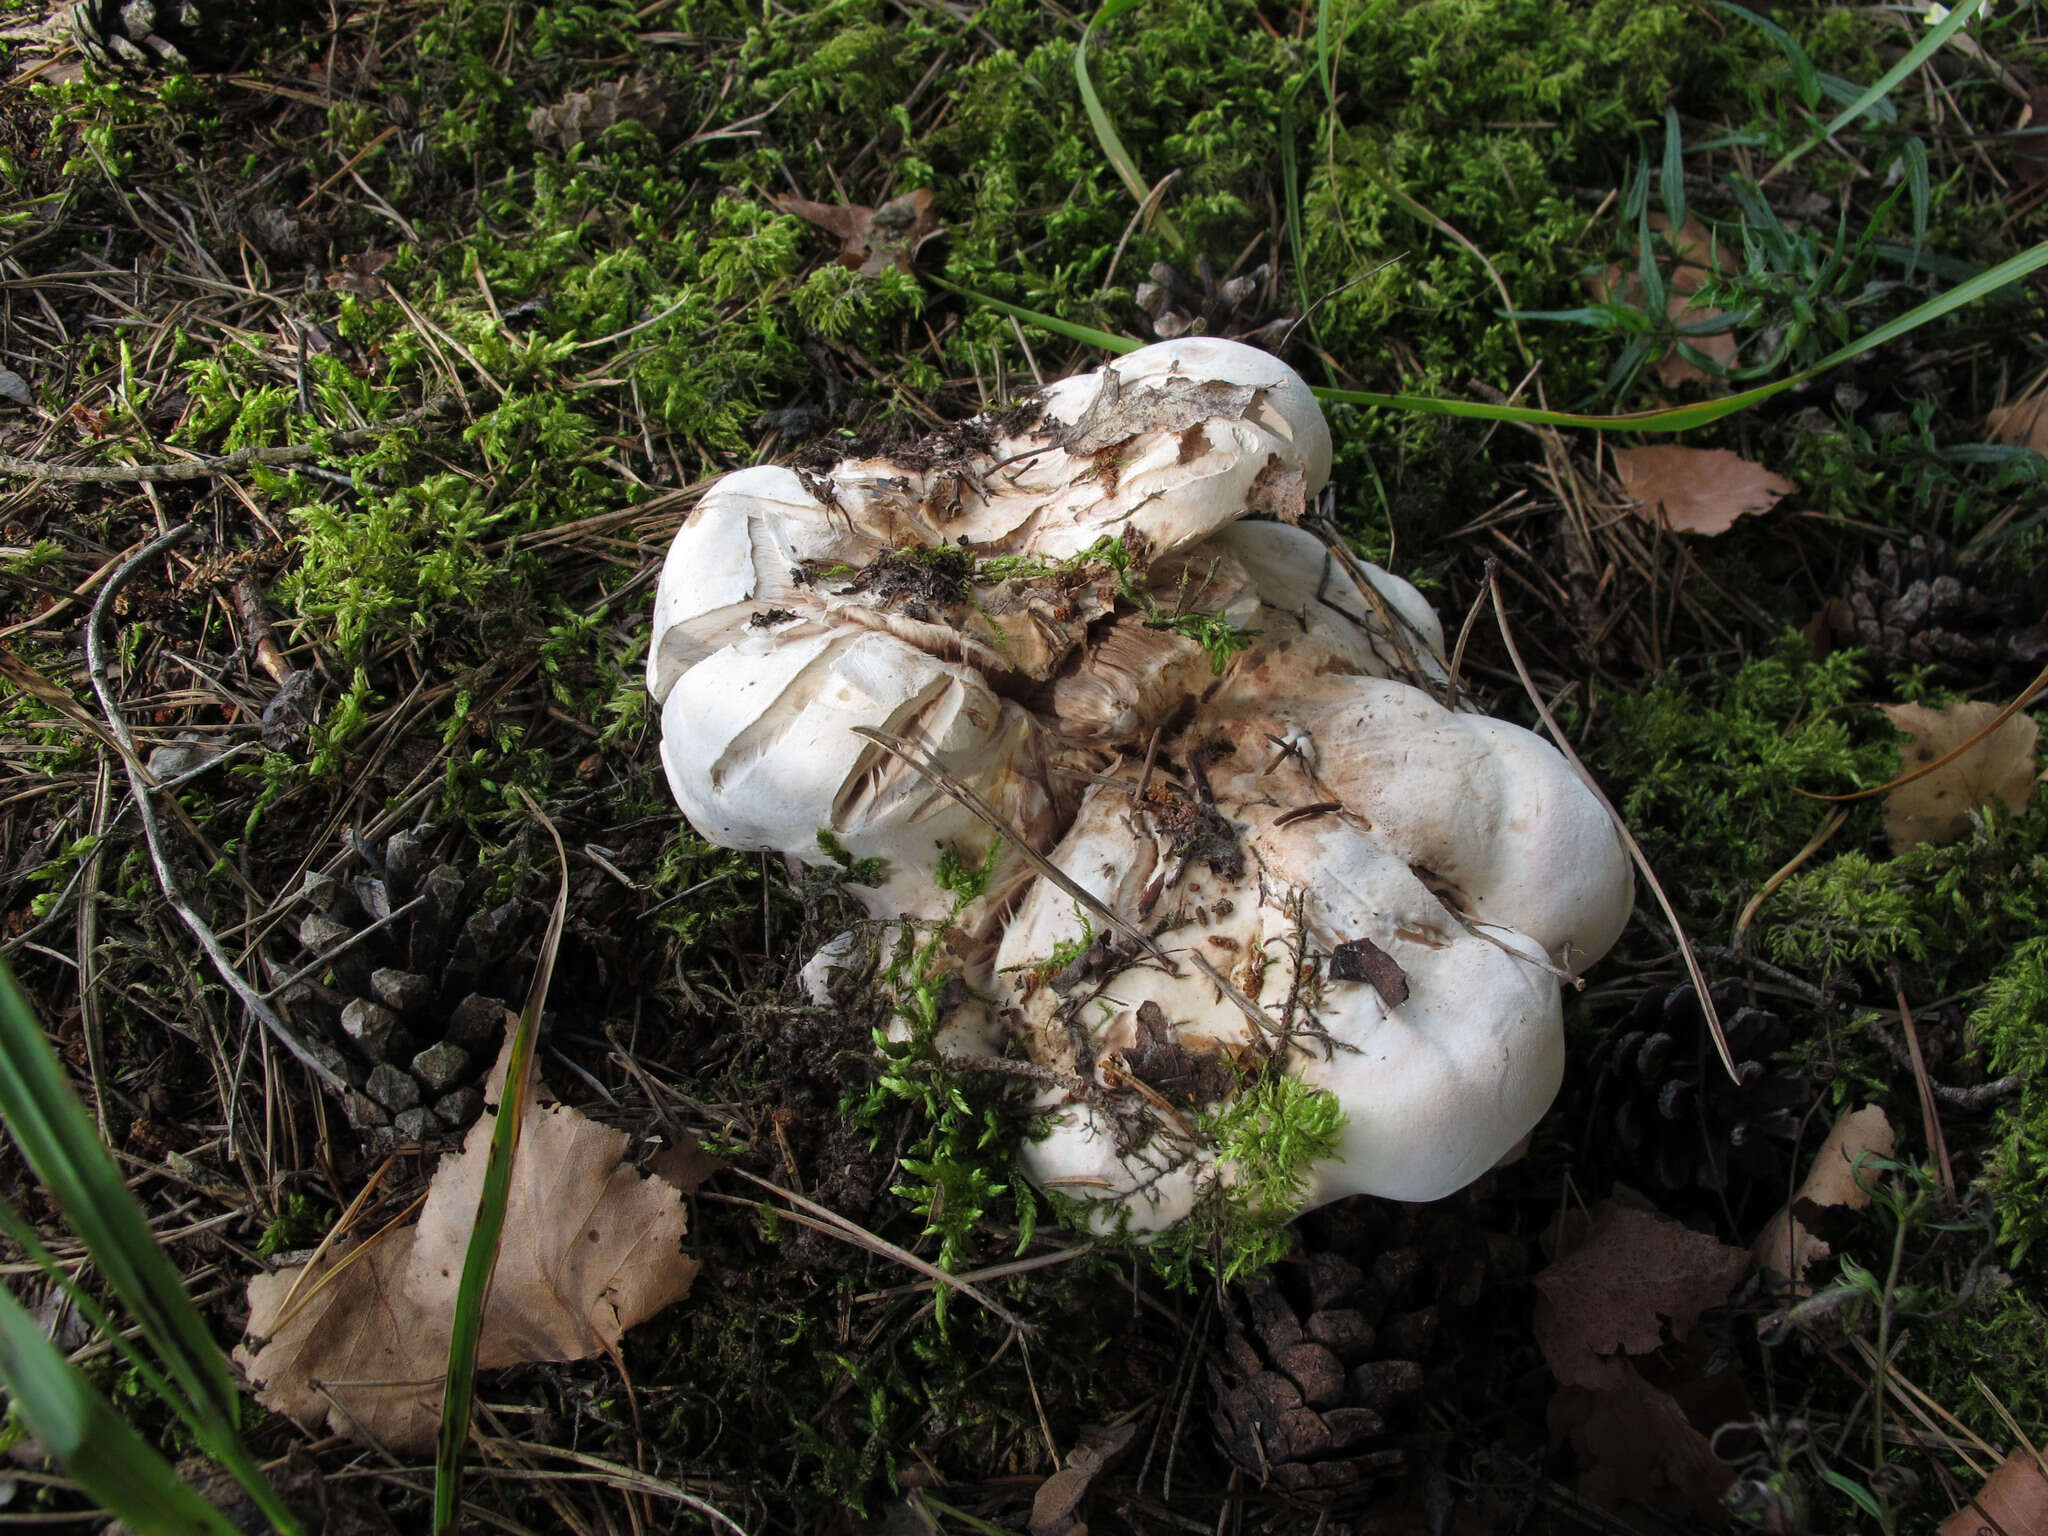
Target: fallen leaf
{"points": [[1639, 1456], [581, 116], [358, 271], [871, 239], [1935, 808], [1787, 1247], [1698, 256], [1634, 1287], [2024, 422], [1697, 490], [1175, 405], [1636, 1271], [2013, 1501], [590, 1248]]}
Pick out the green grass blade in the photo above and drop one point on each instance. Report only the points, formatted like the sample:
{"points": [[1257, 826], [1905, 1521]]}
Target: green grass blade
{"points": [[1087, 335], [1805, 78], [480, 1262], [1105, 131], [1676, 418], [61, 1144], [1917, 55], [92, 1442], [1922, 186], [1671, 176]]}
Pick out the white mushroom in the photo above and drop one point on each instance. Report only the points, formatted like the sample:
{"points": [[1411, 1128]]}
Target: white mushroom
{"points": [[1226, 734]]}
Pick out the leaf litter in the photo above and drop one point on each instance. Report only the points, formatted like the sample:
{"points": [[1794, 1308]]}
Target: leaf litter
{"points": [[872, 240], [1697, 490], [590, 1248], [1608, 1315], [1936, 807]]}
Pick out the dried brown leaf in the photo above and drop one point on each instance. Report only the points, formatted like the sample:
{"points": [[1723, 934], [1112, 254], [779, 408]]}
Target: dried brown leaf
{"points": [[1935, 808], [590, 1248], [1640, 1457], [581, 116], [871, 239], [1636, 1271], [1787, 1247], [1175, 405], [2013, 1500], [1697, 490], [2024, 422]]}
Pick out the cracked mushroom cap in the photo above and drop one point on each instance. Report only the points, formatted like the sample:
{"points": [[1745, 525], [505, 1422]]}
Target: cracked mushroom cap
{"points": [[1381, 905]]}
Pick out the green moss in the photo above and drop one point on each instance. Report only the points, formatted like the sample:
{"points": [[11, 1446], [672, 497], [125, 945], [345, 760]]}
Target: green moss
{"points": [[2012, 1023]]}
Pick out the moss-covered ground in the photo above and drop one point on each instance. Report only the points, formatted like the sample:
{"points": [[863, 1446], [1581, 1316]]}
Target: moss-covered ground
{"points": [[515, 358]]}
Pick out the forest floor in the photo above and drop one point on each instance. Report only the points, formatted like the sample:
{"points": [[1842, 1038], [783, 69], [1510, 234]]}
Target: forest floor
{"points": [[428, 320]]}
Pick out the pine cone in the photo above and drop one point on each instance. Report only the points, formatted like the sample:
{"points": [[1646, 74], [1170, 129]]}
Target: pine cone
{"points": [[1324, 1357], [411, 1010], [1925, 603], [1681, 1122], [1244, 308], [136, 36]]}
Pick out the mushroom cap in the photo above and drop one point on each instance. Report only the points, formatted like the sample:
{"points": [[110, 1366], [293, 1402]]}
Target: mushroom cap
{"points": [[1491, 811], [760, 745], [1436, 1085], [1296, 573]]}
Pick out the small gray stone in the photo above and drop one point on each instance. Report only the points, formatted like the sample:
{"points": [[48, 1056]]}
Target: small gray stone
{"points": [[363, 1113], [370, 1025], [438, 1066], [402, 991], [14, 387], [394, 1089], [416, 1124], [321, 933], [460, 1107], [476, 1020]]}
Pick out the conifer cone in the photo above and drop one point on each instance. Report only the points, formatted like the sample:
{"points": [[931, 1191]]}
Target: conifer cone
{"points": [[136, 36], [1682, 1124], [1923, 603], [412, 1013], [1321, 1371], [1244, 308]]}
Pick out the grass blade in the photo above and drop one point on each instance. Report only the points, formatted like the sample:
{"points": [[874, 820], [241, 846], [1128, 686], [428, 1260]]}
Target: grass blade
{"points": [[1917, 55], [92, 1442], [1805, 78], [61, 1142], [1671, 177], [480, 1262], [59, 1139], [1105, 131], [1675, 418]]}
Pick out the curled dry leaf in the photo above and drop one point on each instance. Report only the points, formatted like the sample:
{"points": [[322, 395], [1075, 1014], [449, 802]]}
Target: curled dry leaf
{"points": [[2013, 1500], [590, 1248], [1697, 490], [1935, 808], [871, 239], [1787, 1247]]}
